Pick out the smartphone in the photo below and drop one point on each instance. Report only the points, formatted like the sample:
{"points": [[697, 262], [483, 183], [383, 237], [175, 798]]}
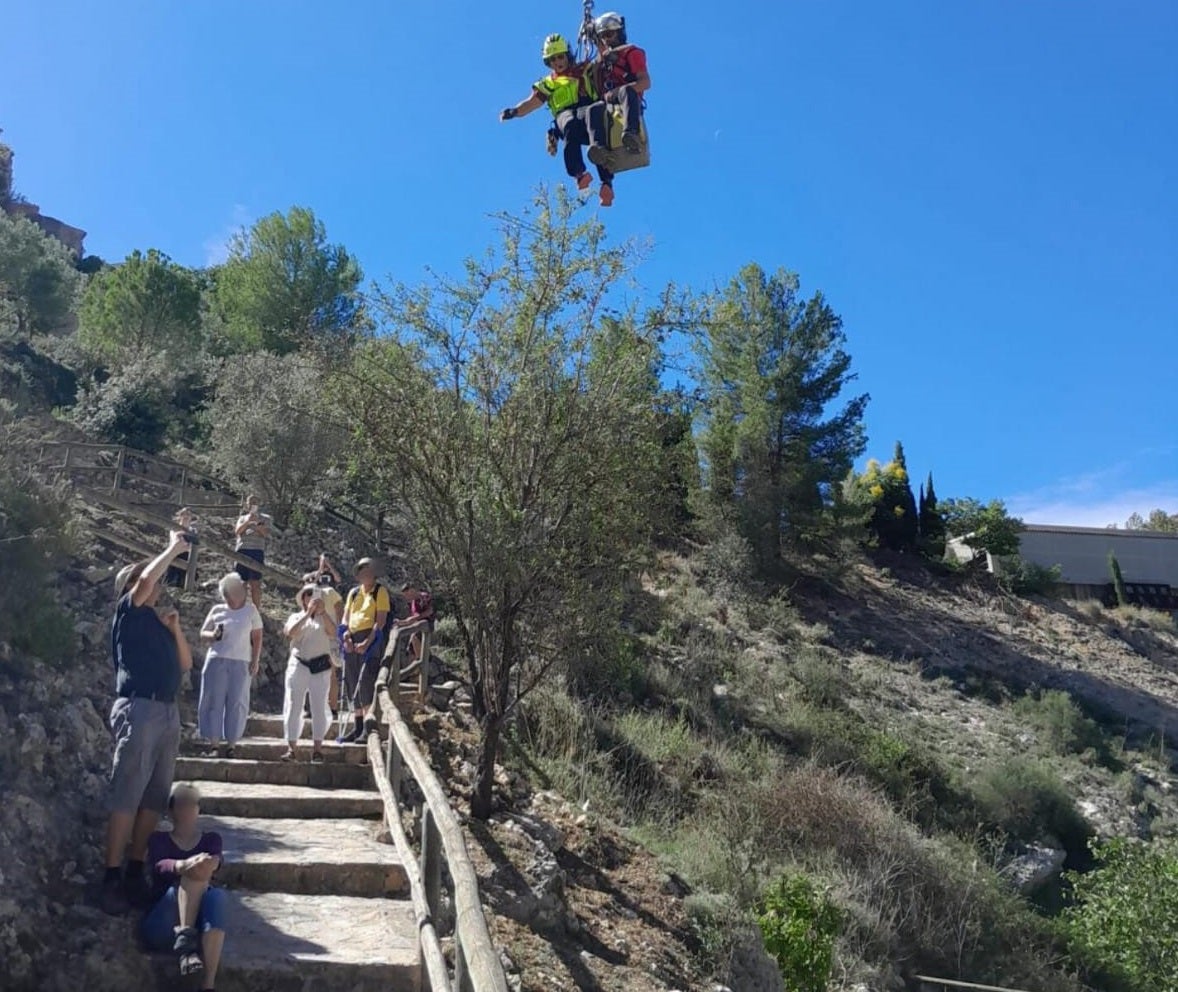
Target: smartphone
{"points": [[316, 595]]}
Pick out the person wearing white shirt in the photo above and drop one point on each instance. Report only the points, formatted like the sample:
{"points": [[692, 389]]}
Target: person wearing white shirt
{"points": [[233, 632], [308, 672]]}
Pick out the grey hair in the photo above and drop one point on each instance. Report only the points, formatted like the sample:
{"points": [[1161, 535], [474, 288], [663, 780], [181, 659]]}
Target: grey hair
{"points": [[229, 581]]}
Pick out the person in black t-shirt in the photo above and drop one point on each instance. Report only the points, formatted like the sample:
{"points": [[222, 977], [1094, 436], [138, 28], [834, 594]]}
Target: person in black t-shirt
{"points": [[150, 654]]}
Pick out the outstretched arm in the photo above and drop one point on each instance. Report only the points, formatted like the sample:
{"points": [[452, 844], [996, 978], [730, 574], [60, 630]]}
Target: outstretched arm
{"points": [[523, 108], [158, 568]]}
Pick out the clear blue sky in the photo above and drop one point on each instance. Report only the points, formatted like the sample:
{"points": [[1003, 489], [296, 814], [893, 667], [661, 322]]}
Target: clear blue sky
{"points": [[986, 190]]}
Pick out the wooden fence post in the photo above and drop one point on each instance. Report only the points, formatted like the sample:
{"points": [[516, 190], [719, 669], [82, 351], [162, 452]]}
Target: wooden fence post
{"points": [[190, 572], [431, 860], [461, 974], [423, 660], [395, 765], [118, 479]]}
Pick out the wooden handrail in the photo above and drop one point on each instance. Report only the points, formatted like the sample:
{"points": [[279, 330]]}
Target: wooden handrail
{"points": [[476, 964], [950, 983]]}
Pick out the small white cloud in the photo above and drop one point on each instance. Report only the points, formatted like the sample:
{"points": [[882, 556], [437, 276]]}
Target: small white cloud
{"points": [[1097, 508], [216, 246]]}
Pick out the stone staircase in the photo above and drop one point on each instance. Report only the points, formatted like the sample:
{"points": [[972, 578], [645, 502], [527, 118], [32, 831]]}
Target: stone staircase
{"points": [[319, 902]]}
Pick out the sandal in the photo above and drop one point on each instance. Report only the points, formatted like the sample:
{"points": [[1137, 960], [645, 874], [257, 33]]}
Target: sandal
{"points": [[191, 964], [186, 945]]}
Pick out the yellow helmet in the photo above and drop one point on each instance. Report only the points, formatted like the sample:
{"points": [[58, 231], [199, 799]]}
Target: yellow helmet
{"points": [[554, 44]]}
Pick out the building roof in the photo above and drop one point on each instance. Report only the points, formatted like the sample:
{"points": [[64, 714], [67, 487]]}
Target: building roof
{"points": [[1119, 532]]}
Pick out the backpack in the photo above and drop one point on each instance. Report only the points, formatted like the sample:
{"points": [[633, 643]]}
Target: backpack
{"points": [[389, 619]]}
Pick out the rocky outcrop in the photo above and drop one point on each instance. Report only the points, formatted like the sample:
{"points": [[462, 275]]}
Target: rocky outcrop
{"points": [[54, 749]]}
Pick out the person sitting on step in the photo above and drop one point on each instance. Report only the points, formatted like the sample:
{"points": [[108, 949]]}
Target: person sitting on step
{"points": [[405, 635], [189, 914], [233, 632], [308, 672]]}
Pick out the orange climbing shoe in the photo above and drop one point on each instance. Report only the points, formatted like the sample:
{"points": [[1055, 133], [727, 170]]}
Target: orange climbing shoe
{"points": [[606, 195], [584, 181]]}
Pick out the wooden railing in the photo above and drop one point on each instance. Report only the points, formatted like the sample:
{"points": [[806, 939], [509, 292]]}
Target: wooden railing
{"points": [[476, 965], [949, 983], [114, 467]]}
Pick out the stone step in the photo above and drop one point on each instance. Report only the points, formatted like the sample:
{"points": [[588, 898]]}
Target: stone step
{"points": [[270, 725], [281, 942], [336, 775], [271, 749], [342, 857], [298, 802]]}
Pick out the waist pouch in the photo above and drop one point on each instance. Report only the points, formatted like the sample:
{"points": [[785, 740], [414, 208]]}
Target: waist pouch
{"points": [[320, 663]]}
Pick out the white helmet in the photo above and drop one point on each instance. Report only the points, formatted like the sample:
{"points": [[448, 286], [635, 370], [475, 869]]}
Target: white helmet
{"points": [[611, 21]]}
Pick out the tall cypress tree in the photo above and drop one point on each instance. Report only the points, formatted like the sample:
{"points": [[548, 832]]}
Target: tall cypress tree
{"points": [[932, 524]]}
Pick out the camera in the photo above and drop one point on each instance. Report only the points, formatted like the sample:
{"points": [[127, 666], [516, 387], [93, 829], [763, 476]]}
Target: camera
{"points": [[316, 595], [192, 537]]}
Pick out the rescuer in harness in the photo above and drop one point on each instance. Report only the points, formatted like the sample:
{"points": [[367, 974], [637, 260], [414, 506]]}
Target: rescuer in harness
{"points": [[567, 93], [619, 74]]}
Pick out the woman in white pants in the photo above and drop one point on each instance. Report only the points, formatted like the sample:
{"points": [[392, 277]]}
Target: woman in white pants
{"points": [[308, 672], [233, 633]]}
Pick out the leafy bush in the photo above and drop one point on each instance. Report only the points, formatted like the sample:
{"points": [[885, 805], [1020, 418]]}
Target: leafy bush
{"points": [[270, 433], [800, 926], [985, 527], [34, 541], [1024, 798], [146, 405], [1122, 924], [1026, 578], [1060, 723]]}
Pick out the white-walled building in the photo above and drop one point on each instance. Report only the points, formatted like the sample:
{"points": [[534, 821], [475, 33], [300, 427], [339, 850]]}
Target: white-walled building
{"points": [[1148, 560]]}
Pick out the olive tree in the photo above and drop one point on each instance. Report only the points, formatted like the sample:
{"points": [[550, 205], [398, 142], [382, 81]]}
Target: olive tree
{"points": [[269, 432], [511, 414]]}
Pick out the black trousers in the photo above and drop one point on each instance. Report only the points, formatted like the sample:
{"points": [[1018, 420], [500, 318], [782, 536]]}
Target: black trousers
{"points": [[581, 126]]}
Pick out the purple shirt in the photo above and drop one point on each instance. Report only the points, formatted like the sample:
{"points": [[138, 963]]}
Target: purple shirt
{"points": [[163, 853]]}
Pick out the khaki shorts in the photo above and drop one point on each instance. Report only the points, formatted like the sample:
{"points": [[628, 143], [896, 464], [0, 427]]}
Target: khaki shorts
{"points": [[147, 740]]}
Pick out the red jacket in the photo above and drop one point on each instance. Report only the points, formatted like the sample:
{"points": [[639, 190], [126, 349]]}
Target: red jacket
{"points": [[619, 65]]}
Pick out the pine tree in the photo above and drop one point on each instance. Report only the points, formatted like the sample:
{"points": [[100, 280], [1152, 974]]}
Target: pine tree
{"points": [[779, 431]]}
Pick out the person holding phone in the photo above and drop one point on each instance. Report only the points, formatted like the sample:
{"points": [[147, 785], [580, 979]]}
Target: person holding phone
{"points": [[150, 654], [252, 531], [311, 632], [233, 632]]}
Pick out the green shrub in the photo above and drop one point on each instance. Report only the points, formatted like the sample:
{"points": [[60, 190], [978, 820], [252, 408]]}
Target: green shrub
{"points": [[800, 926], [1122, 925], [1024, 799], [34, 541], [1026, 578], [1060, 724]]}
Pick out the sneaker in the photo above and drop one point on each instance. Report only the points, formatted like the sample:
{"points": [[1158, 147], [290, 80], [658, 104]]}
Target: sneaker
{"points": [[137, 890], [112, 900], [230, 752], [288, 755], [606, 195], [316, 757], [632, 143], [351, 736], [584, 181]]}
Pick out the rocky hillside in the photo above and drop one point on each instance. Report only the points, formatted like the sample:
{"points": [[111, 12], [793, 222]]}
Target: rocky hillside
{"points": [[642, 808]]}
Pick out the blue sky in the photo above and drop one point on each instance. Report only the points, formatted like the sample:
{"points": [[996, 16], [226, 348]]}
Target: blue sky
{"points": [[986, 190]]}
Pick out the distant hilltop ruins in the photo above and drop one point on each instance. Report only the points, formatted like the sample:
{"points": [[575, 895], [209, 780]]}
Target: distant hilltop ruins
{"points": [[15, 205]]}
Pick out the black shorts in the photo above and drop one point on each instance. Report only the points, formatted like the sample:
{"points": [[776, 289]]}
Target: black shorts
{"points": [[248, 574]]}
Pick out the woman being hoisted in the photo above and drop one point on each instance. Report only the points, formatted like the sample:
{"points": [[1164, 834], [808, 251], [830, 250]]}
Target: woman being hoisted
{"points": [[567, 93]]}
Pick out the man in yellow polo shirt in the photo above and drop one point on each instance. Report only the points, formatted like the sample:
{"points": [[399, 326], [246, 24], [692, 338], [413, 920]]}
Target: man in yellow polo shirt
{"points": [[365, 612]]}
